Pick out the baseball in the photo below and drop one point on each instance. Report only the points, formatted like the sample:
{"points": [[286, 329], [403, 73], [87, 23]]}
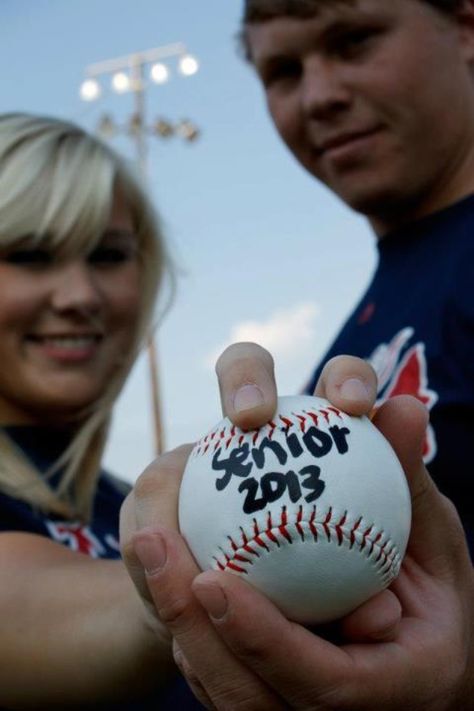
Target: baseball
{"points": [[313, 508]]}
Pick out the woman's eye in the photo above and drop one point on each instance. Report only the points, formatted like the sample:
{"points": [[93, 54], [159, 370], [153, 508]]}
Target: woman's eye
{"points": [[109, 255], [28, 257]]}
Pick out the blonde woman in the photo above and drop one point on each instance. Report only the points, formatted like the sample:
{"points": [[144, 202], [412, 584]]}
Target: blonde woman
{"points": [[81, 261]]}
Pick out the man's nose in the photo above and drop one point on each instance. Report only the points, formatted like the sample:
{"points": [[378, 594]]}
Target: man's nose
{"points": [[324, 89], [76, 289]]}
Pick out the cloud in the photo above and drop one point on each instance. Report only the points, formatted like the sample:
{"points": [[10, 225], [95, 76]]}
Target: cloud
{"points": [[287, 333]]}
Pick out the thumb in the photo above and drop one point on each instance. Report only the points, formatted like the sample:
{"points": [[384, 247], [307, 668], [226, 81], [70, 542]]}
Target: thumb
{"points": [[437, 537]]}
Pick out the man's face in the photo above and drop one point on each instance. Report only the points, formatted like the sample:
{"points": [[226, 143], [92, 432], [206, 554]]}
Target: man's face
{"points": [[375, 99]]}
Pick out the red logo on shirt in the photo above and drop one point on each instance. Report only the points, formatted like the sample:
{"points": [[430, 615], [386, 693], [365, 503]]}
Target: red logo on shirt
{"points": [[366, 314], [77, 537], [403, 371]]}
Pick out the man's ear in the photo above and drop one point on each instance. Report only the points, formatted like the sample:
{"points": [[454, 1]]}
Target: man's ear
{"points": [[465, 20]]}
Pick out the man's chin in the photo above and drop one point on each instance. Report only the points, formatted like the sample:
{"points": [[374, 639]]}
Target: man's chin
{"points": [[381, 206]]}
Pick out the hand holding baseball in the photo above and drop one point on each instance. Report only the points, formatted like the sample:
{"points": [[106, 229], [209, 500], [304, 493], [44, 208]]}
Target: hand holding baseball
{"points": [[312, 508], [424, 624]]}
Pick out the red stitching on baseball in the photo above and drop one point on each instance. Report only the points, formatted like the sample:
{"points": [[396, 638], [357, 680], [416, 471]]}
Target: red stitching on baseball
{"points": [[238, 556], [339, 529], [286, 421], [385, 560], [314, 417], [366, 536], [257, 536], [300, 421], [247, 546], [282, 528], [382, 552], [326, 523], [299, 519], [353, 531], [269, 530]]}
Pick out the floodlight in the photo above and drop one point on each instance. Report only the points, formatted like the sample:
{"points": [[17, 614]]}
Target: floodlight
{"points": [[90, 90]]}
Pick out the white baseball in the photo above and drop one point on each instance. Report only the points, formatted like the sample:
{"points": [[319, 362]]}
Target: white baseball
{"points": [[313, 508]]}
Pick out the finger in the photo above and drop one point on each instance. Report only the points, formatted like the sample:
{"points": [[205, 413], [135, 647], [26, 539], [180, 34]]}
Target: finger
{"points": [[310, 672], [153, 500], [247, 385], [377, 620], [128, 526], [437, 538], [156, 491], [300, 667], [348, 383], [170, 572], [403, 421], [191, 678]]}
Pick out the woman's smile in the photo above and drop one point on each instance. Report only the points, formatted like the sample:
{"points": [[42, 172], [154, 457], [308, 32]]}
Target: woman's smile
{"points": [[66, 348]]}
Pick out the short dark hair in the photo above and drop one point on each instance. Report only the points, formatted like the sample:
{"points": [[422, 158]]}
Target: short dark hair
{"points": [[262, 10]]}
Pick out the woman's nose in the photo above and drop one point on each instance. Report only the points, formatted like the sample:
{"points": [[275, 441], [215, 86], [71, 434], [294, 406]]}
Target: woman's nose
{"points": [[76, 289]]}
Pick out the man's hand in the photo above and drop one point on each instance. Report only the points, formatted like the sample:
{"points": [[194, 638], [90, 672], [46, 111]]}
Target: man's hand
{"points": [[409, 646]]}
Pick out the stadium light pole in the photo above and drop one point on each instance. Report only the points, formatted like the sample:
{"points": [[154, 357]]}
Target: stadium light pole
{"points": [[128, 76]]}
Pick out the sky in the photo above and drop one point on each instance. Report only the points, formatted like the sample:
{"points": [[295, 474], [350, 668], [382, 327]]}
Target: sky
{"points": [[263, 253]]}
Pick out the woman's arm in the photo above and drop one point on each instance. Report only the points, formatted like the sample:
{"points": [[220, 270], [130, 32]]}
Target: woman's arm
{"points": [[73, 629]]}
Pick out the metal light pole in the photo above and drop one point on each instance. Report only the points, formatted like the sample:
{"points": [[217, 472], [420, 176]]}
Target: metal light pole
{"points": [[128, 75]]}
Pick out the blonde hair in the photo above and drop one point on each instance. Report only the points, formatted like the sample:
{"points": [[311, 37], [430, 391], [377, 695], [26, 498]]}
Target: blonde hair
{"points": [[57, 185]]}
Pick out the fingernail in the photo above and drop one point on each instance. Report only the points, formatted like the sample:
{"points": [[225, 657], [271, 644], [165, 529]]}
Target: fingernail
{"points": [[354, 389], [212, 598], [248, 397], [151, 551]]}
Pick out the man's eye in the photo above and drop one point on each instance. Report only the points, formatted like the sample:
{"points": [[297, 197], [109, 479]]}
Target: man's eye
{"points": [[29, 257], [110, 255], [352, 43], [281, 71]]}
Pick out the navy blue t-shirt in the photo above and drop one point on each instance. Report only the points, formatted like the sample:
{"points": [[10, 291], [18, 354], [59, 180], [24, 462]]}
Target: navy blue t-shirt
{"points": [[98, 539], [415, 325]]}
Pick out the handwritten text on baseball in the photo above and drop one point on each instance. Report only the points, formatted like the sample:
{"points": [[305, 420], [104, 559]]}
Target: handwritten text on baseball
{"points": [[271, 485]]}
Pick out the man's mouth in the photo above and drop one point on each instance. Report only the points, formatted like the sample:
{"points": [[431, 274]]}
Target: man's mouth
{"points": [[344, 140]]}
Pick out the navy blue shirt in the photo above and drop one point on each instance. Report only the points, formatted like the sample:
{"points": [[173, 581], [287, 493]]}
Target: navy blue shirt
{"points": [[415, 325], [98, 539]]}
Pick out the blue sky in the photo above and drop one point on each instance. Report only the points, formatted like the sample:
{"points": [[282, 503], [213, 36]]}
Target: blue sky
{"points": [[264, 253]]}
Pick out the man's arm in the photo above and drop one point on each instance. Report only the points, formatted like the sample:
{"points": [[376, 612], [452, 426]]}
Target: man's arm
{"points": [[73, 629]]}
